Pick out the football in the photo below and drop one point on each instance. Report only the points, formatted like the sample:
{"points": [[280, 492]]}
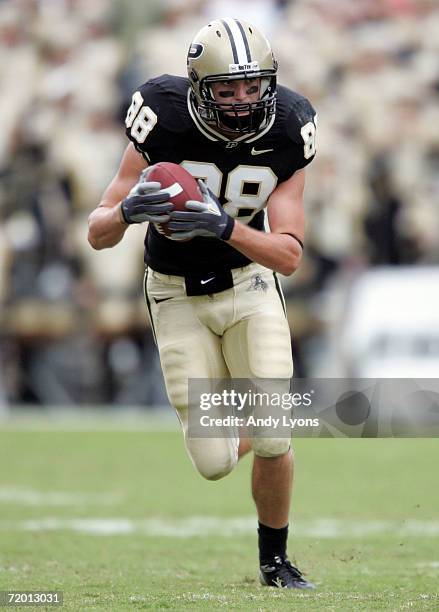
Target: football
{"points": [[180, 184]]}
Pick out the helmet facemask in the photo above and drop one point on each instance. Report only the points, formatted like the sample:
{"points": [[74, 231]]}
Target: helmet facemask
{"points": [[229, 117]]}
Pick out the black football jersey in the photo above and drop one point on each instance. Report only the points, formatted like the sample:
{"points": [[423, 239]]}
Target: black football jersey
{"points": [[163, 127]]}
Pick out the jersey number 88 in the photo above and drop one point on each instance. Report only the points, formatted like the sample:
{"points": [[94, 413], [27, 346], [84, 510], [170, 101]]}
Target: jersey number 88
{"points": [[247, 188]]}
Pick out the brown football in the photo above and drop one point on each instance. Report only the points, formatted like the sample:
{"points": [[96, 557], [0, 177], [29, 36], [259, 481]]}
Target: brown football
{"points": [[180, 184]]}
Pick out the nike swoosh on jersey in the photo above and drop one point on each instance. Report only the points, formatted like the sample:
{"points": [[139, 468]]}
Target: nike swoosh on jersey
{"points": [[203, 282], [260, 151]]}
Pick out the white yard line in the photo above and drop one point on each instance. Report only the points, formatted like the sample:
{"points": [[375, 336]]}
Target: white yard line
{"points": [[201, 526], [34, 497], [89, 418], [431, 564]]}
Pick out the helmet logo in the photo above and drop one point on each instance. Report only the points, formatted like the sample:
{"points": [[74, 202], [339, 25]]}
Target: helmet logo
{"points": [[251, 67], [195, 50]]}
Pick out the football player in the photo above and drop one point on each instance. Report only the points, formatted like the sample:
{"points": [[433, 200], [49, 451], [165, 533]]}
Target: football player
{"points": [[214, 300]]}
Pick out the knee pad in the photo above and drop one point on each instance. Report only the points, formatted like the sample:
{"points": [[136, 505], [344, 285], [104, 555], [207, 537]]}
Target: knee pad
{"points": [[270, 447], [214, 458]]}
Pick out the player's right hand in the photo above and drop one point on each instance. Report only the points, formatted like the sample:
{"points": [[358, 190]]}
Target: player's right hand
{"points": [[146, 202]]}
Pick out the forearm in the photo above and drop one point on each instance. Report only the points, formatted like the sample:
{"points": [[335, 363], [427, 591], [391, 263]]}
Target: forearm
{"points": [[279, 252], [106, 227]]}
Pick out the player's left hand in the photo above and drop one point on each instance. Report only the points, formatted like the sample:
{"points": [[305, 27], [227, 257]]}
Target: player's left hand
{"points": [[146, 201], [206, 218]]}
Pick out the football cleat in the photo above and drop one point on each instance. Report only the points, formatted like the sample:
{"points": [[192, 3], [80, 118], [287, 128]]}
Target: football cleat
{"points": [[281, 574]]}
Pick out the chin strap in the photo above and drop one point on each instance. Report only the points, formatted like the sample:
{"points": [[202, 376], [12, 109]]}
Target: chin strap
{"points": [[295, 238]]}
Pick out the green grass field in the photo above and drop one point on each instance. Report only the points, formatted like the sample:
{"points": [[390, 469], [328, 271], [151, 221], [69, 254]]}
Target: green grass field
{"points": [[120, 520]]}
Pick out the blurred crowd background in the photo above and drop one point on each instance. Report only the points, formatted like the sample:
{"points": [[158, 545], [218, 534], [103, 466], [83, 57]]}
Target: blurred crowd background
{"points": [[73, 325]]}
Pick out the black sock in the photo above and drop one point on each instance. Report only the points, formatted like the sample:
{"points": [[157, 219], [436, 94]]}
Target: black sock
{"points": [[272, 543]]}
